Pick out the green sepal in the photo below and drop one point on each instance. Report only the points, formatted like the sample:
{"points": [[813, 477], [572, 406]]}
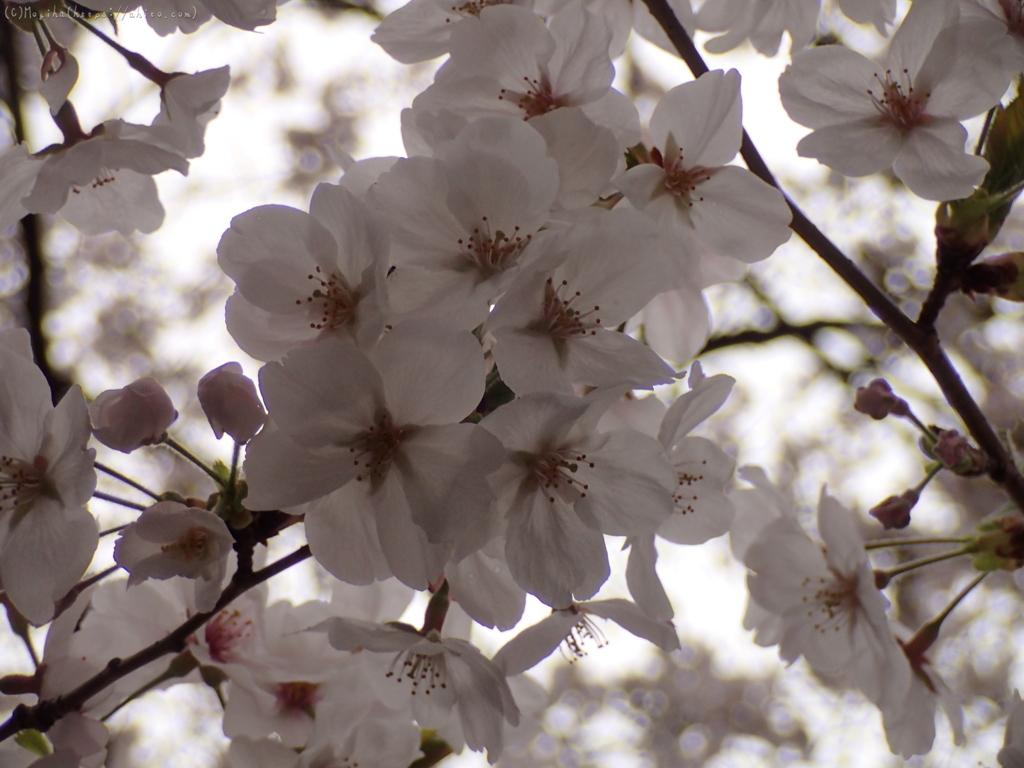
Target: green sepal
{"points": [[34, 741]]}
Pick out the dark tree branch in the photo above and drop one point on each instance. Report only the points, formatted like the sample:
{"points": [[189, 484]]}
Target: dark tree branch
{"points": [[781, 330], [922, 340], [31, 226], [43, 715]]}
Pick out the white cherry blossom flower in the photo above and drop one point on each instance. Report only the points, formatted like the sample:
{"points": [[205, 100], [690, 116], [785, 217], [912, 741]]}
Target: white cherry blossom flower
{"points": [[47, 536], [465, 220], [720, 210], [563, 486], [703, 469], [557, 327], [386, 422], [302, 276], [170, 539], [435, 676], [100, 182], [702, 510], [506, 62], [421, 29], [574, 627], [763, 22], [829, 610], [904, 112]]}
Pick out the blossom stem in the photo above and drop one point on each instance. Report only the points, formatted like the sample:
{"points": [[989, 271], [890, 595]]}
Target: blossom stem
{"points": [[127, 480], [173, 444], [44, 714], [984, 131], [884, 543], [437, 609], [117, 500], [956, 600], [933, 470], [928, 632], [233, 477], [927, 431], [923, 340], [882, 578], [136, 61]]}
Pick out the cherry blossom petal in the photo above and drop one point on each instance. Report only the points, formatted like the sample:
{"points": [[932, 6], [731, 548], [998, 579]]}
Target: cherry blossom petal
{"points": [[273, 247], [642, 579], [551, 553], [444, 473], [706, 396], [409, 554], [825, 86], [580, 63], [676, 324], [704, 117], [535, 643], [738, 215], [282, 473], [586, 153], [361, 237], [342, 535], [44, 554], [967, 70], [934, 166], [483, 585], [629, 485], [856, 148], [126, 206], [633, 620], [431, 375], [323, 394]]}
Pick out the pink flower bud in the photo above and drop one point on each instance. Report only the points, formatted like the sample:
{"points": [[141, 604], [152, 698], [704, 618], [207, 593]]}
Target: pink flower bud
{"points": [[877, 401], [958, 455], [129, 418], [230, 402], [894, 512]]}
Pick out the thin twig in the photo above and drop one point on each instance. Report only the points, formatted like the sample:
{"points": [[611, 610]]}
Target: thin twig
{"points": [[43, 715], [126, 480], [883, 543], [781, 330], [117, 500], [923, 341], [186, 453]]}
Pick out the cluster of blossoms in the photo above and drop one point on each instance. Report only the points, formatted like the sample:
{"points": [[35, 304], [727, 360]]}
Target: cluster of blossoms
{"points": [[456, 347]]}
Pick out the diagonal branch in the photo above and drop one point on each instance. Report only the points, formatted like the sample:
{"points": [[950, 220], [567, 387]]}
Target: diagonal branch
{"points": [[923, 341], [44, 714]]}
